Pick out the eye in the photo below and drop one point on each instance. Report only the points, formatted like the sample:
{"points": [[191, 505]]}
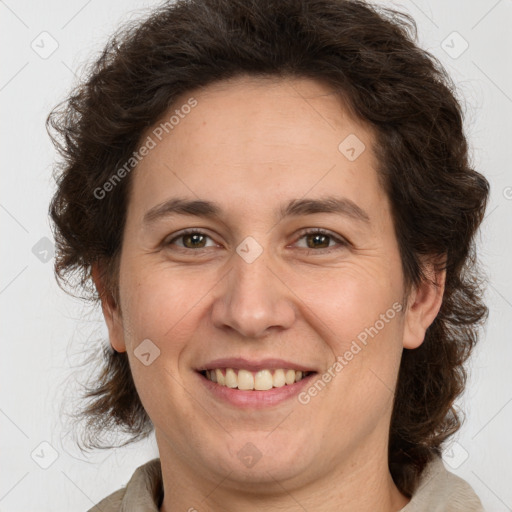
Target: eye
{"points": [[316, 239], [192, 239], [320, 239]]}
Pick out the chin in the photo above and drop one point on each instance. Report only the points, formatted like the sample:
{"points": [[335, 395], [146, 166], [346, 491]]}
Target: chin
{"points": [[265, 457]]}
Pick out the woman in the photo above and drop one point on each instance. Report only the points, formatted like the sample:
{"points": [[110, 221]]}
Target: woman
{"points": [[275, 205]]}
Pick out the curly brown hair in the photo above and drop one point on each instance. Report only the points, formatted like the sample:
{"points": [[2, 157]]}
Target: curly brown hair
{"points": [[369, 56]]}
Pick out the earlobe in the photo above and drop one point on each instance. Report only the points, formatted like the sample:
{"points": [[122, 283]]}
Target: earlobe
{"points": [[424, 303], [110, 309]]}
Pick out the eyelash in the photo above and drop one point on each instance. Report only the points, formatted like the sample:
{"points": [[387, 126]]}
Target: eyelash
{"points": [[343, 243]]}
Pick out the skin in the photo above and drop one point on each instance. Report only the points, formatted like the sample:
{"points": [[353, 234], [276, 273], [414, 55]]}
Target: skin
{"points": [[252, 144]]}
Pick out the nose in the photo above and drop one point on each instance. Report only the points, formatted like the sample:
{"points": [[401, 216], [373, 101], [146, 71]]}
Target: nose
{"points": [[253, 299]]}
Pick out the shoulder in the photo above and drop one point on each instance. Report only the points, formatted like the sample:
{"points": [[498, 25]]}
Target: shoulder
{"points": [[440, 490], [142, 493]]}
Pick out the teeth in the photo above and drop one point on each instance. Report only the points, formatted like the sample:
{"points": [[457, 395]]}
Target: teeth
{"points": [[245, 380], [219, 376], [261, 380], [231, 378], [289, 376], [279, 380]]}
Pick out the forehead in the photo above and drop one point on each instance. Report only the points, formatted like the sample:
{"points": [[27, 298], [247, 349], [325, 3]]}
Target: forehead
{"points": [[260, 139]]}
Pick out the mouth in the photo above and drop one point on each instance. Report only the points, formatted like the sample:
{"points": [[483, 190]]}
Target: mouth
{"points": [[261, 380], [254, 384]]}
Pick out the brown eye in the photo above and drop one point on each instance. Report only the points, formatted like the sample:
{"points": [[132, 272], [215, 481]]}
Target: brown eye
{"points": [[192, 239], [320, 239], [317, 240]]}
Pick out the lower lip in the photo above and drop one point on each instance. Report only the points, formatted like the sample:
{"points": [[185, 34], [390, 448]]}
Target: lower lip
{"points": [[252, 398]]}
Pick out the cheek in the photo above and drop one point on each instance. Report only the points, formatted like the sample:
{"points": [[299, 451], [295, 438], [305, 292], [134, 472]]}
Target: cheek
{"points": [[367, 350], [159, 307], [159, 303], [357, 310], [350, 298]]}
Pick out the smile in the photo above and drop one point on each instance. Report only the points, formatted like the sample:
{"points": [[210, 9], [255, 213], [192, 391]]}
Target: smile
{"points": [[260, 380]]}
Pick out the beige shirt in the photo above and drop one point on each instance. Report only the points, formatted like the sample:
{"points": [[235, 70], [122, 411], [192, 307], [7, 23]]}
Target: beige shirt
{"points": [[438, 491]]}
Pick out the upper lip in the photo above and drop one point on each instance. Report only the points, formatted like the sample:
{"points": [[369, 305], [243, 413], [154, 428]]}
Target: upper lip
{"points": [[254, 365]]}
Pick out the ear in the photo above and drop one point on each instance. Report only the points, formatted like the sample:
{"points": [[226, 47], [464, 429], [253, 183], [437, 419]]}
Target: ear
{"points": [[111, 310], [423, 305]]}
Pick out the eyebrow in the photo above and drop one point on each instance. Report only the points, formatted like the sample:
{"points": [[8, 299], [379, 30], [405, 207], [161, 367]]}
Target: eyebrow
{"points": [[295, 207]]}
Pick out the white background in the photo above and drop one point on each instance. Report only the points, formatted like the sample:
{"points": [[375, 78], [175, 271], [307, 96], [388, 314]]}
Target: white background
{"points": [[46, 334]]}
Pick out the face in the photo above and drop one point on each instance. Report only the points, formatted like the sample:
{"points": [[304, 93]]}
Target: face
{"points": [[289, 264]]}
